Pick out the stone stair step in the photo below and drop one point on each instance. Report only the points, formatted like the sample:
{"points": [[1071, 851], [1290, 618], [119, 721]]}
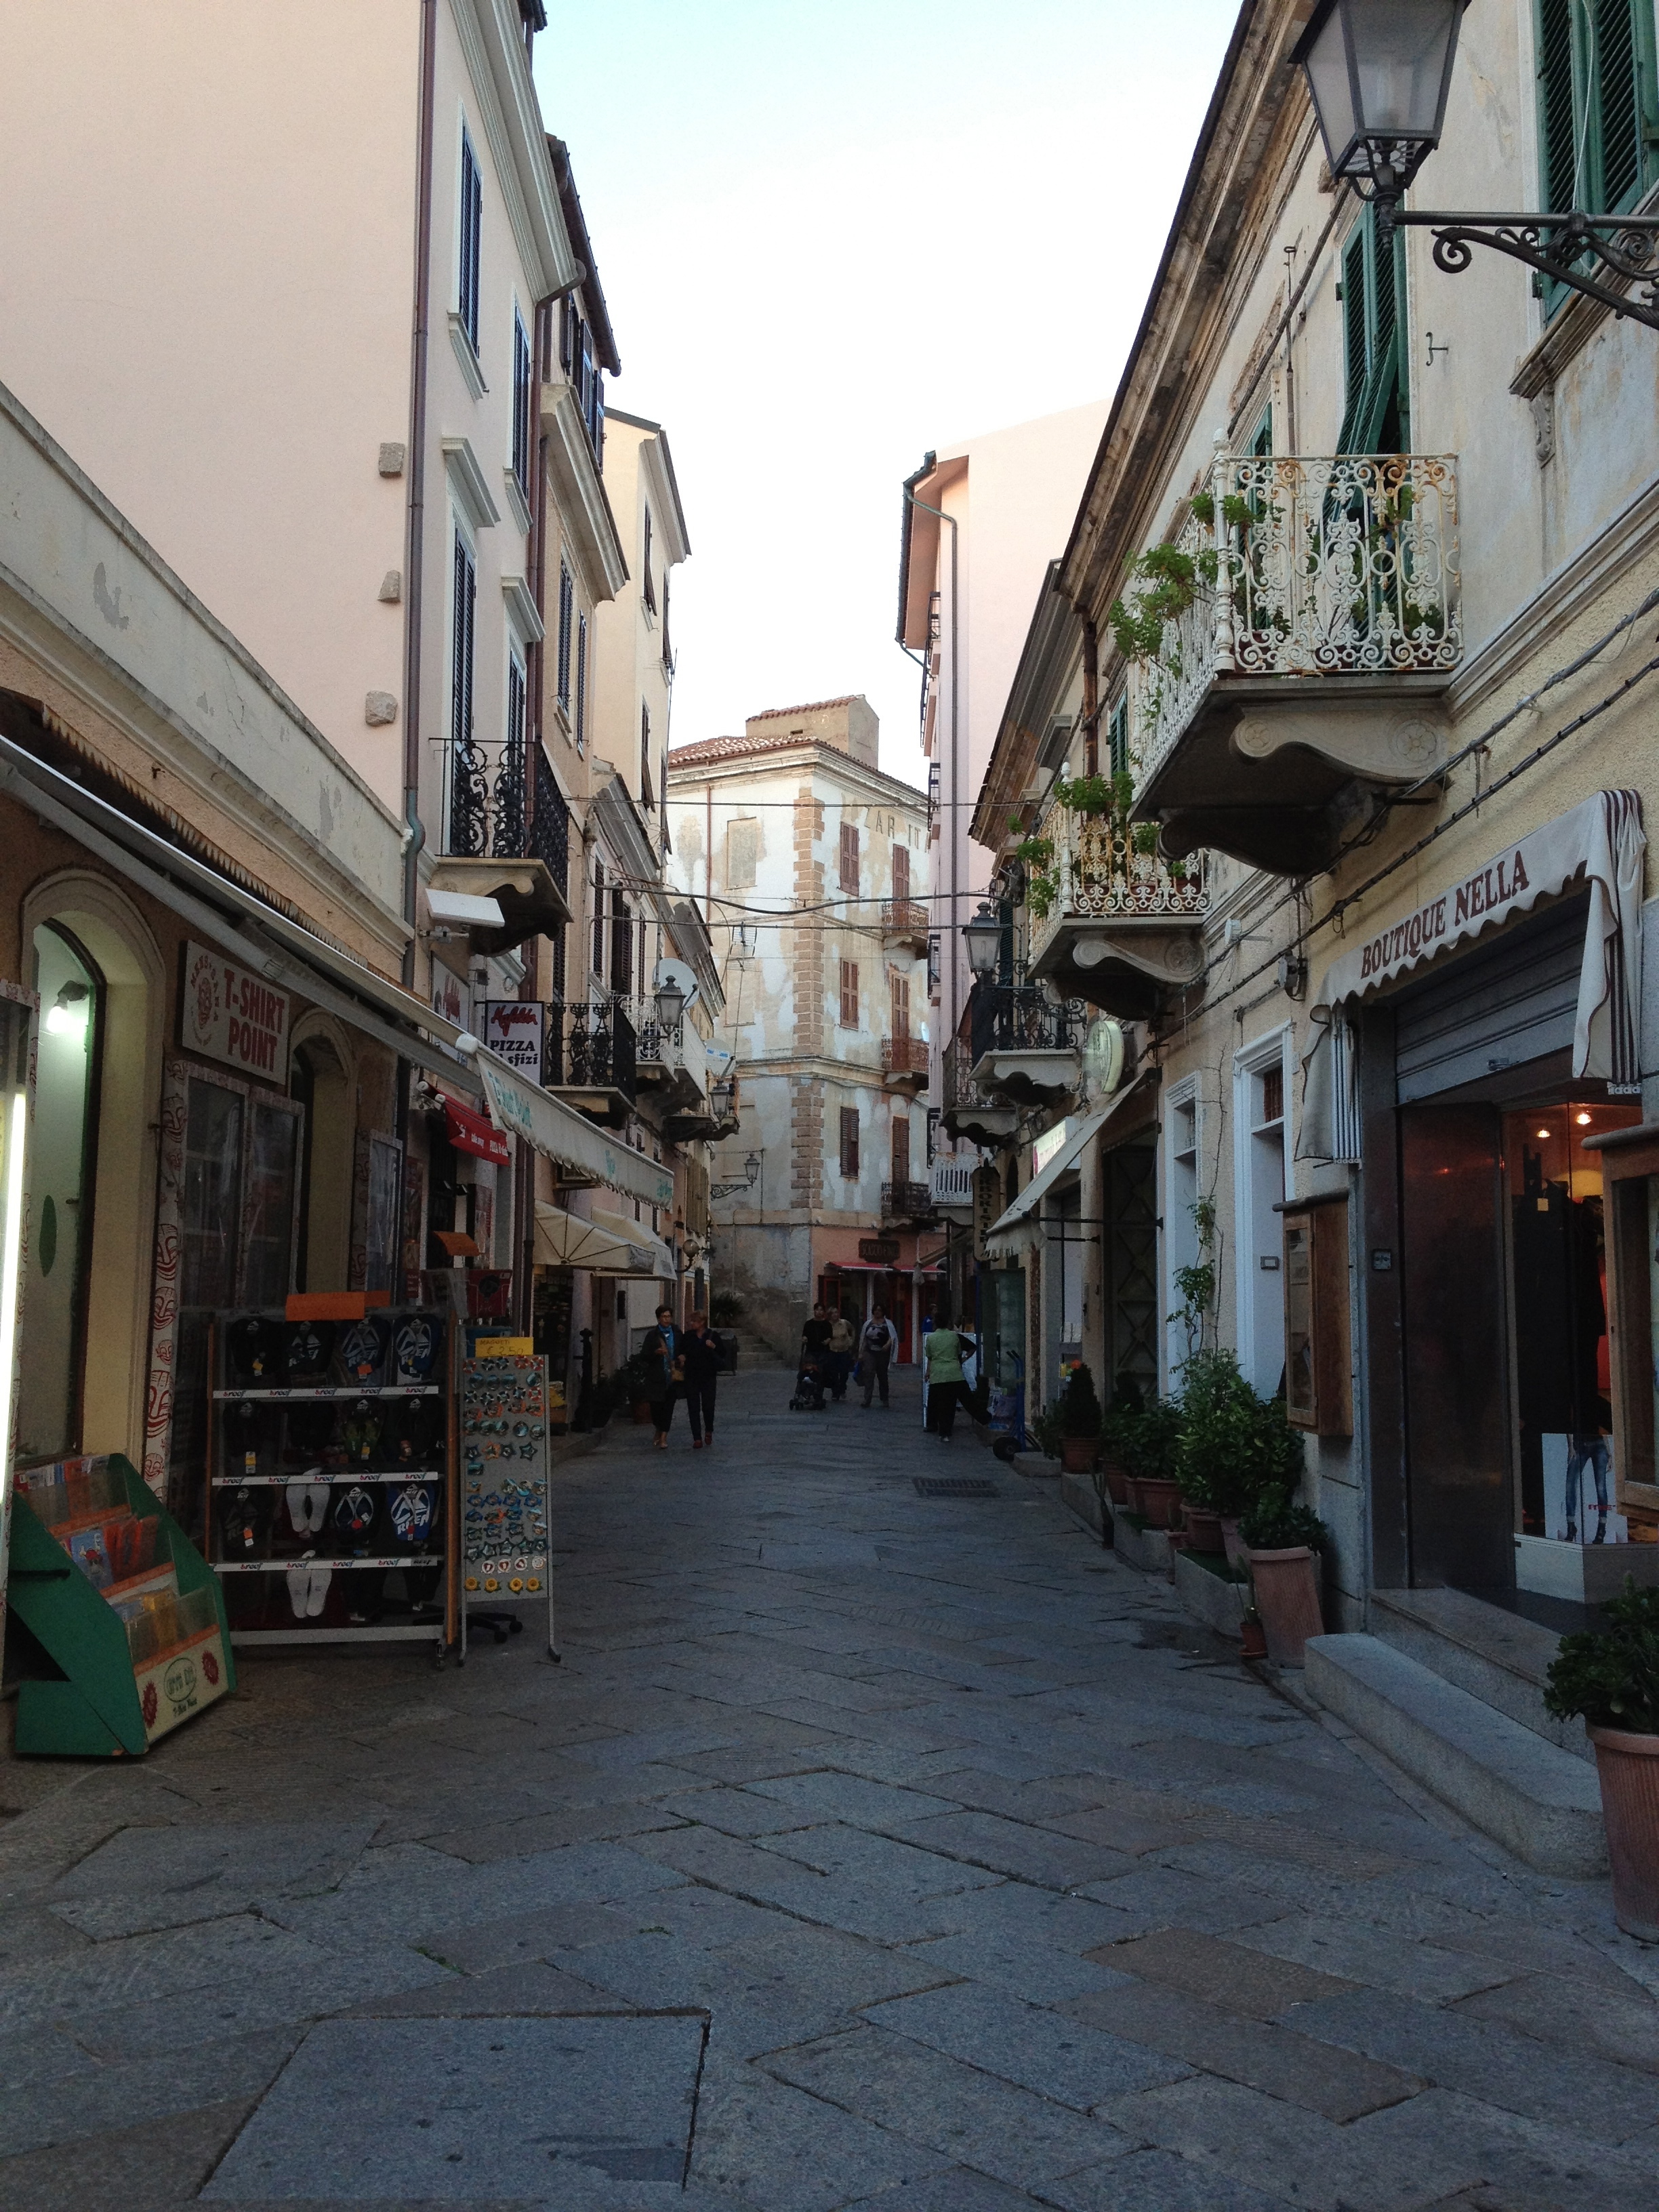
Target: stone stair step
{"points": [[1538, 1801], [1498, 1656]]}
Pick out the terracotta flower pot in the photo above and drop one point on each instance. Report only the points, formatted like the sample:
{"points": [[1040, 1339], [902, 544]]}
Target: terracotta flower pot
{"points": [[1253, 1644], [1117, 1477], [1628, 1767], [1077, 1453], [1157, 1494], [1231, 1542], [1287, 1598], [1203, 1528]]}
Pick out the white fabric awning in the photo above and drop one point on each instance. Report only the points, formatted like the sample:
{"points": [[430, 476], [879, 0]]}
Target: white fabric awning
{"points": [[559, 1133], [1040, 1185], [1601, 843], [610, 1244]]}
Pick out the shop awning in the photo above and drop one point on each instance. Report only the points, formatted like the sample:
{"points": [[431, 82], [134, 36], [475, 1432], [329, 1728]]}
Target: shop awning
{"points": [[1126, 1107], [284, 952], [472, 1133], [1600, 844], [559, 1133], [609, 1245]]}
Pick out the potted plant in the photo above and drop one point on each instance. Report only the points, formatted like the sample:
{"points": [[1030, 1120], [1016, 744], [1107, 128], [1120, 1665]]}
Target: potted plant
{"points": [[1149, 1453], [1128, 1405], [1235, 1448], [1045, 1428], [1612, 1678], [1282, 1540], [1080, 1422]]}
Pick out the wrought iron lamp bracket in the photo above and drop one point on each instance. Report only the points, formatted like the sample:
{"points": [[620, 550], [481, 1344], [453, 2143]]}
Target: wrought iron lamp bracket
{"points": [[1623, 247]]}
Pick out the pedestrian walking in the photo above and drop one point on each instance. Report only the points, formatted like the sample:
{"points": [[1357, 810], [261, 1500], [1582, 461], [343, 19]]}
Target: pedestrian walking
{"points": [[662, 1350], [941, 1359], [877, 1346], [701, 1352], [814, 1339], [841, 1355]]}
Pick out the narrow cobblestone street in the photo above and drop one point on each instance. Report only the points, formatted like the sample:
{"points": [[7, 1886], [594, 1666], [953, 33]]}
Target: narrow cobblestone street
{"points": [[867, 1848]]}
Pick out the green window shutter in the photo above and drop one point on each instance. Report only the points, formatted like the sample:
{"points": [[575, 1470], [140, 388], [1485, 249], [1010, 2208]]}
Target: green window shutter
{"points": [[1558, 105], [1261, 446], [1375, 419], [1356, 357], [1117, 736]]}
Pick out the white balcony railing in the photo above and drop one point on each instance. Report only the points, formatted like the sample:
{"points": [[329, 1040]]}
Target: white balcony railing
{"points": [[950, 1182], [1098, 875], [1317, 565]]}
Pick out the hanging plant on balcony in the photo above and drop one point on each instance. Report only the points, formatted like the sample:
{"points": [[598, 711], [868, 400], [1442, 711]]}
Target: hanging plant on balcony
{"points": [[1165, 583], [1094, 796], [1036, 854]]}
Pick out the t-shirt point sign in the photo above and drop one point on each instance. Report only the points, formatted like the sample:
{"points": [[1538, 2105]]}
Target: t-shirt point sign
{"points": [[228, 1013]]}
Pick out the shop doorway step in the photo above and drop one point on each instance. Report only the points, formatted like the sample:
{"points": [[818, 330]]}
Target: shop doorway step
{"points": [[1529, 1795], [1500, 1657]]}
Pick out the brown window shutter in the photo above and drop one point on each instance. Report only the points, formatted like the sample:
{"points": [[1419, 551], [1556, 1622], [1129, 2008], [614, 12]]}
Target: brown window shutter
{"points": [[849, 856], [901, 1149], [900, 871], [901, 1005], [849, 995], [849, 1140]]}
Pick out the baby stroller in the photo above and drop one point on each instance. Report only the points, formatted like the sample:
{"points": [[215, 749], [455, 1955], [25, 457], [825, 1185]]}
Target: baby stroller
{"points": [[808, 1389]]}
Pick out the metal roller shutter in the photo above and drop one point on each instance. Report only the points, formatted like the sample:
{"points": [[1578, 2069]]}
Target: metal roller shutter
{"points": [[1505, 1003]]}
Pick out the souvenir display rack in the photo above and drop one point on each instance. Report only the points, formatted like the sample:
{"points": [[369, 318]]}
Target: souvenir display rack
{"points": [[121, 1603], [331, 1470], [505, 1501]]}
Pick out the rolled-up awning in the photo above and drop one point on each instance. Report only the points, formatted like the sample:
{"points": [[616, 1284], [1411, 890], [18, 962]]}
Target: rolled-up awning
{"points": [[559, 1133], [609, 1245], [473, 1133]]}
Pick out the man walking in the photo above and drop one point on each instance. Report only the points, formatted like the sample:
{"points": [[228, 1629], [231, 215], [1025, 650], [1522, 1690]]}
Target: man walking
{"points": [[701, 1353], [663, 1349], [876, 1349]]}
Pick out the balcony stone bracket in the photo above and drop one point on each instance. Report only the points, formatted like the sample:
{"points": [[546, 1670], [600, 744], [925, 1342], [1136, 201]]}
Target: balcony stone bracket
{"points": [[1277, 770], [1028, 1077], [531, 901], [1125, 970], [991, 1126]]}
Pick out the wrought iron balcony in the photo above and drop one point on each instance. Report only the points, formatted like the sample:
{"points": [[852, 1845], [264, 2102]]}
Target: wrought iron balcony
{"points": [[597, 1072], [906, 1201], [1026, 1049], [904, 1063], [906, 921], [500, 847], [1312, 621], [968, 1107], [951, 1183], [1112, 922]]}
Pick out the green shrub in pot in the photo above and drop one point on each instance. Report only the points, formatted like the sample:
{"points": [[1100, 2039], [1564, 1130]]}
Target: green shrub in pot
{"points": [[1151, 1440], [1079, 1408], [1611, 1677], [1275, 1522], [1235, 1447], [1128, 1404]]}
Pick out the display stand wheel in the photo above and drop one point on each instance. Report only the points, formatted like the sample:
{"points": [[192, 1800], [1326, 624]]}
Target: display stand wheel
{"points": [[500, 1624]]}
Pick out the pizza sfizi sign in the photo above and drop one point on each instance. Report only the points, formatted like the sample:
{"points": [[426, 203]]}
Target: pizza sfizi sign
{"points": [[228, 1013]]}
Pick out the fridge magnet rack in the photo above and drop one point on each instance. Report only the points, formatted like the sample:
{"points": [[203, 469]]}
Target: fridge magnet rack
{"points": [[332, 1506], [121, 1603]]}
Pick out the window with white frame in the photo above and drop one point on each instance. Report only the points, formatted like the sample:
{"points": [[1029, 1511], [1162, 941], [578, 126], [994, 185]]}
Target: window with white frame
{"points": [[1180, 1245], [522, 412], [1259, 1187], [472, 239]]}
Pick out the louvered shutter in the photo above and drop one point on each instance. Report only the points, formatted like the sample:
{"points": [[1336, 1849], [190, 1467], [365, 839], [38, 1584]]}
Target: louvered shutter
{"points": [[1619, 102], [460, 692], [1356, 357], [598, 917], [849, 856], [849, 1141], [582, 677], [901, 1149], [566, 607], [902, 872]]}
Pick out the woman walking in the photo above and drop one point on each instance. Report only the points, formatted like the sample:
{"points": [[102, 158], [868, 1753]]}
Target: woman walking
{"points": [[701, 1352], [941, 1359], [663, 1349], [876, 1345]]}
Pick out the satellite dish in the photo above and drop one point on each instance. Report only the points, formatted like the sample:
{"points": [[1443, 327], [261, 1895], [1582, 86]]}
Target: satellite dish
{"points": [[679, 973], [1102, 1059]]}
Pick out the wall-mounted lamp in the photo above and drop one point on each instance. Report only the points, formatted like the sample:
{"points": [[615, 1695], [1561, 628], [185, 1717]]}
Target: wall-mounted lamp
{"points": [[68, 1012]]}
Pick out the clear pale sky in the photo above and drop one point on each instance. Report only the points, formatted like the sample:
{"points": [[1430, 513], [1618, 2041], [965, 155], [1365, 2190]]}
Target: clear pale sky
{"points": [[831, 237]]}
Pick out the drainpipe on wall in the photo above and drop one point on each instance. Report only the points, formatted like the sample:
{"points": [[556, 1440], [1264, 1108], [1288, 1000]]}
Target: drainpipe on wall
{"points": [[414, 830]]}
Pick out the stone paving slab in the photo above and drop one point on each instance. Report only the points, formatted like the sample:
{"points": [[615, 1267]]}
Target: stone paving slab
{"points": [[1024, 1839]]}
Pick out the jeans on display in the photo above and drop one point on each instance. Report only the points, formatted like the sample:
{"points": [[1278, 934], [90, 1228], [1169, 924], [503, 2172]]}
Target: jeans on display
{"points": [[700, 1406], [1591, 1452], [875, 1372]]}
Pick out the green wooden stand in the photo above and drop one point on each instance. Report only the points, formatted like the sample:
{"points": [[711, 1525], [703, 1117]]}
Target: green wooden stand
{"points": [[94, 1712]]}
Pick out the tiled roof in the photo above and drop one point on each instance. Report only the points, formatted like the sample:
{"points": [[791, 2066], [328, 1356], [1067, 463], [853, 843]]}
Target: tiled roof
{"points": [[812, 707], [718, 748]]}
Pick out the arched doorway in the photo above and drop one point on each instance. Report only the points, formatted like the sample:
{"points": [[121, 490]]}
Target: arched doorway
{"points": [[63, 1180], [320, 1079]]}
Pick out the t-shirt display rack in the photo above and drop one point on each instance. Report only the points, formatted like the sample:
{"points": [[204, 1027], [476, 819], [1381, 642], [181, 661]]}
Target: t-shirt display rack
{"points": [[296, 1499]]}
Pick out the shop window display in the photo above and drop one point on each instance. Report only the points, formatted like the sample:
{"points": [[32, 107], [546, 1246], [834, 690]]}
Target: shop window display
{"points": [[1560, 1300]]}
